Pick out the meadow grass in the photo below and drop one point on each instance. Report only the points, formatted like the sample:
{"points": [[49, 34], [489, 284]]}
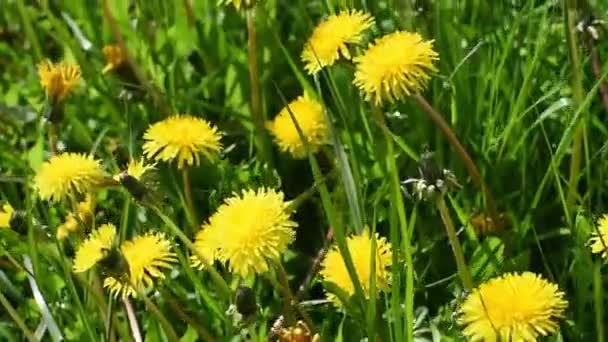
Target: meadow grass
{"points": [[517, 84]]}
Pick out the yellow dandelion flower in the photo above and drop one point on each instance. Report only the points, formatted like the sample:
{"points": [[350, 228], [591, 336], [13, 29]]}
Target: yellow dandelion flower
{"points": [[256, 229], [136, 169], [334, 270], [94, 247], [68, 226], [67, 174], [5, 215], [114, 57], [512, 307], [599, 238], [147, 256], [182, 137], [58, 79], [207, 242], [394, 67], [311, 120], [330, 38], [238, 3]]}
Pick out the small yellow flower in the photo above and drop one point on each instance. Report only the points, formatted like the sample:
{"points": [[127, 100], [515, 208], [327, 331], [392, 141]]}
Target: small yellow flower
{"points": [[512, 307], [394, 66], [330, 38], [237, 3], [311, 120], [67, 174], [58, 79], [5, 215], [94, 248], [84, 214], [255, 228], [182, 137], [147, 256], [334, 270], [114, 58], [136, 169], [599, 238]]}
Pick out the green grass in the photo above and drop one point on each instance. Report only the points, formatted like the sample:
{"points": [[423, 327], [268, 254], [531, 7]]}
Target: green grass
{"points": [[514, 81]]}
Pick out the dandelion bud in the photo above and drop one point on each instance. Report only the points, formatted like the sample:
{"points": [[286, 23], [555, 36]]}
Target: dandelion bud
{"points": [[133, 185], [17, 221], [245, 301], [114, 264]]}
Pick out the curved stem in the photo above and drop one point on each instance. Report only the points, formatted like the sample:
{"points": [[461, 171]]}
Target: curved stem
{"points": [[461, 264], [132, 318], [168, 328], [215, 276], [290, 301], [189, 199], [15, 316], [462, 153]]}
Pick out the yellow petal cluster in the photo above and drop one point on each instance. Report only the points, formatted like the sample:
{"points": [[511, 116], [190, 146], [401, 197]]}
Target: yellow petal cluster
{"points": [[182, 138], [66, 175], [599, 238], [394, 66], [58, 79], [5, 215], [512, 307], [333, 268], [114, 57], [248, 231], [309, 115], [147, 256], [238, 3], [330, 39], [94, 248], [83, 215]]}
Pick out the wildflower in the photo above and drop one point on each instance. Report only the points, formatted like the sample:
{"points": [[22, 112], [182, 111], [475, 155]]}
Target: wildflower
{"points": [[599, 238], [146, 257], [512, 307], [255, 228], [67, 174], [237, 3], [5, 215], [94, 248], [83, 215], [298, 333], [334, 270], [310, 118], [58, 79], [330, 38], [136, 169], [394, 66], [114, 58], [207, 243], [182, 137]]}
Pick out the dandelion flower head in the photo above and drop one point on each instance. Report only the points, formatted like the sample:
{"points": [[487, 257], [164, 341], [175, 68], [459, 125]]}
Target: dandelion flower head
{"points": [[512, 307], [94, 248], [599, 237], [394, 66], [182, 138], [330, 38], [5, 215], [58, 79], [66, 175], [136, 169], [310, 118], [83, 215], [334, 270], [256, 229], [147, 256], [114, 57]]}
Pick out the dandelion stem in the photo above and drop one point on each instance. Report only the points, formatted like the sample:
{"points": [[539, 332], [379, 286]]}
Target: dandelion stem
{"points": [[15, 316], [132, 318], [52, 135], [177, 308], [189, 200], [261, 141], [215, 276], [290, 301], [444, 127], [168, 328], [461, 264], [315, 265], [598, 301], [577, 91]]}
